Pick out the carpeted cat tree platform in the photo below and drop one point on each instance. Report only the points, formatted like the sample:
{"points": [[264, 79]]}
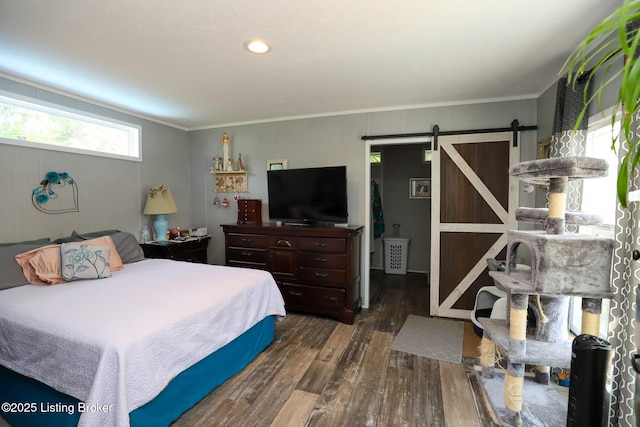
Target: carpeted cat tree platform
{"points": [[562, 265]]}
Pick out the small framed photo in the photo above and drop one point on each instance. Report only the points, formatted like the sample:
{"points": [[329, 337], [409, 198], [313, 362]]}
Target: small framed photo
{"points": [[276, 165], [419, 188]]}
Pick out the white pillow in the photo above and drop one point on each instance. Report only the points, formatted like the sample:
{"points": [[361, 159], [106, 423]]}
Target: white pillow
{"points": [[80, 261]]}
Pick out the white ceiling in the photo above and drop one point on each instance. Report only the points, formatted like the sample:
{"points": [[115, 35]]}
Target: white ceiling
{"points": [[183, 62]]}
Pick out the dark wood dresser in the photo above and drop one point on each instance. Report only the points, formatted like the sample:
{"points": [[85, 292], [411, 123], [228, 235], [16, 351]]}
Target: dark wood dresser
{"points": [[191, 251], [317, 269]]}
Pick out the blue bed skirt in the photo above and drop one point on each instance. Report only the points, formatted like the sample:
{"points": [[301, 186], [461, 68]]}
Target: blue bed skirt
{"points": [[184, 391]]}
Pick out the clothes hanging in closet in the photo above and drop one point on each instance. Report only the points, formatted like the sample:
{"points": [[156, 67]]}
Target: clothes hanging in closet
{"points": [[376, 209]]}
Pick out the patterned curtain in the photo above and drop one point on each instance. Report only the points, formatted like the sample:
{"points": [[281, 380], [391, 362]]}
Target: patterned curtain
{"points": [[626, 277], [622, 313], [565, 140]]}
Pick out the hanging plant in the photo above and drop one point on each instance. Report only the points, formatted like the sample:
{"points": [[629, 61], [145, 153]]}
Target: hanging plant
{"points": [[614, 41]]}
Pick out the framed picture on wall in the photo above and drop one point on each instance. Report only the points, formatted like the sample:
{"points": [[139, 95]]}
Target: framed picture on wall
{"points": [[275, 165], [544, 148], [419, 188]]}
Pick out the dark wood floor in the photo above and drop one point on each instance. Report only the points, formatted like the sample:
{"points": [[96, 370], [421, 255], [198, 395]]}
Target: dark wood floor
{"points": [[319, 372]]}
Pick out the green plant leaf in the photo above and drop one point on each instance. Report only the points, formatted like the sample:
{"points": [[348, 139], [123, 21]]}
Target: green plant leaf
{"points": [[609, 43]]}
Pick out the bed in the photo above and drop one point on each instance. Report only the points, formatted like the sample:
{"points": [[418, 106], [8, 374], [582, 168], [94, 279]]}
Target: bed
{"points": [[137, 348]]}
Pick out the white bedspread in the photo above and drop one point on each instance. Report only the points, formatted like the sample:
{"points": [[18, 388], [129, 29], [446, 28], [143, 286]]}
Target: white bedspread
{"points": [[116, 343]]}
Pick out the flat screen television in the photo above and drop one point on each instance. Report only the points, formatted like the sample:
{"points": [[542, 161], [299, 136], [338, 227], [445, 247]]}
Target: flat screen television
{"points": [[309, 196]]}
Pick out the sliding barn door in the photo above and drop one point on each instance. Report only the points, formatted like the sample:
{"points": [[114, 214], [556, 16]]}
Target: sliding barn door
{"points": [[473, 206]]}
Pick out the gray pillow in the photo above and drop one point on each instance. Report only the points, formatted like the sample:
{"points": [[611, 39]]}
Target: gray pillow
{"points": [[126, 244], [43, 241], [12, 275]]}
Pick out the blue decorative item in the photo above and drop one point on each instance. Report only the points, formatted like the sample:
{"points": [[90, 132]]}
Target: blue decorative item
{"points": [[160, 202], [45, 193], [161, 225]]}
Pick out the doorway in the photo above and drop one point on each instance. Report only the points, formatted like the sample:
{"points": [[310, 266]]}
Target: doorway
{"points": [[405, 215], [368, 240]]}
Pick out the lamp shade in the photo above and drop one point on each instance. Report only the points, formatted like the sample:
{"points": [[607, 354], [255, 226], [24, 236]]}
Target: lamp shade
{"points": [[160, 201]]}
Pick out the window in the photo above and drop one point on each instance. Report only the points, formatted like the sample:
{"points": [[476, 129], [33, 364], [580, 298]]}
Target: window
{"points": [[375, 157], [37, 124], [598, 197], [427, 154]]}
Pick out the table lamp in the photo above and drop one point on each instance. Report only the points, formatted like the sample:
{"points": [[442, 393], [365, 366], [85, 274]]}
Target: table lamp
{"points": [[160, 202]]}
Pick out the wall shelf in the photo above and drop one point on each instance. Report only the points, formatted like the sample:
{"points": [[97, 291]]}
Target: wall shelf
{"points": [[231, 182]]}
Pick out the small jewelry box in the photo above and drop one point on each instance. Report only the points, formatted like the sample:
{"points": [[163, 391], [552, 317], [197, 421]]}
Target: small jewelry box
{"points": [[250, 211]]}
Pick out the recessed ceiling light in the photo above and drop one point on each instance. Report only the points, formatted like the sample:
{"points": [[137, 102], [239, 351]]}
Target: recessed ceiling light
{"points": [[257, 46]]}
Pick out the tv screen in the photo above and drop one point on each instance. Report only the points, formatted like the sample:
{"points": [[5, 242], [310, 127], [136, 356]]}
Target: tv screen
{"points": [[310, 196]]}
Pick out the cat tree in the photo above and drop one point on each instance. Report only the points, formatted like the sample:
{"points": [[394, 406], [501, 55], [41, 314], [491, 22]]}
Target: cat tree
{"points": [[562, 265]]}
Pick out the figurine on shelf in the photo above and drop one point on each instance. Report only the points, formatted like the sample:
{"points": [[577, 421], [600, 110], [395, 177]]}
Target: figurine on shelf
{"points": [[217, 165], [225, 141], [229, 166], [240, 164]]}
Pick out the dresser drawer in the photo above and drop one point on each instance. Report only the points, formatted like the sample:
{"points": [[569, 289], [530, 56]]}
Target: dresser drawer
{"points": [[322, 276], [282, 242], [247, 255], [312, 295], [322, 244], [246, 240], [322, 260]]}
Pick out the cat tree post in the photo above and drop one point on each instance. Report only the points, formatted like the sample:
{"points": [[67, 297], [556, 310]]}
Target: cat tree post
{"points": [[591, 311], [514, 379], [487, 357], [557, 202]]}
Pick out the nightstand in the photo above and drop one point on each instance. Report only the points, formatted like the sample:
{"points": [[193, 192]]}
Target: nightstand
{"points": [[191, 250]]}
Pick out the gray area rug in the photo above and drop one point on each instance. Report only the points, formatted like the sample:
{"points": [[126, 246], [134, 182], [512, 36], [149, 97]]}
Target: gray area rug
{"points": [[439, 339]]}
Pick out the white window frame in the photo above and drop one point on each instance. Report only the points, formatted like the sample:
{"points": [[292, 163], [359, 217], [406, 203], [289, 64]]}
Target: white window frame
{"points": [[134, 131]]}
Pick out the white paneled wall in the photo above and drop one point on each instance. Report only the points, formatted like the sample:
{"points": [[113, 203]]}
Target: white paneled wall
{"points": [[111, 192]]}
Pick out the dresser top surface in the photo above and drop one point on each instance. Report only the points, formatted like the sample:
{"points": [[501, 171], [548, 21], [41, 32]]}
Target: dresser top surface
{"points": [[267, 228]]}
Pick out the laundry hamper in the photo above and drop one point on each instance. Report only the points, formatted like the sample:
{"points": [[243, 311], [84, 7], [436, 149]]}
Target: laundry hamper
{"points": [[396, 253]]}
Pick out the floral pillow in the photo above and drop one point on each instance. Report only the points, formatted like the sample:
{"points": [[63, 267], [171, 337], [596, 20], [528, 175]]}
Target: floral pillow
{"points": [[80, 261]]}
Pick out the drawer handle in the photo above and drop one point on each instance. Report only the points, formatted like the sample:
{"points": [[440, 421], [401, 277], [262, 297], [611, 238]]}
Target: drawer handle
{"points": [[321, 244], [295, 294], [246, 240], [321, 259], [247, 253], [323, 275], [283, 242], [331, 298]]}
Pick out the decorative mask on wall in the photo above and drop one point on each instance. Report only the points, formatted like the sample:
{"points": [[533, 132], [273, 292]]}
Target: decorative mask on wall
{"points": [[57, 193]]}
